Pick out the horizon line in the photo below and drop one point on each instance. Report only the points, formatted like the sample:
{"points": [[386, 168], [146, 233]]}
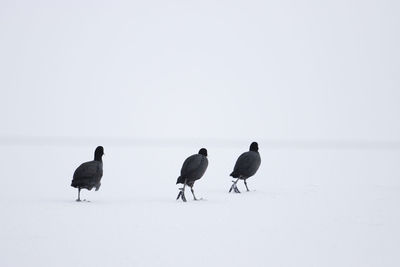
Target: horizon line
{"points": [[16, 140]]}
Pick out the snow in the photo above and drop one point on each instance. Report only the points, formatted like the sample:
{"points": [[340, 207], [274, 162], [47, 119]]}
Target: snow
{"points": [[316, 83], [307, 207]]}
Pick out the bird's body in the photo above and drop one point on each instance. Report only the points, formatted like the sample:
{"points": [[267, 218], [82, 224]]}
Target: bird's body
{"points": [[193, 169], [246, 166], [88, 175]]}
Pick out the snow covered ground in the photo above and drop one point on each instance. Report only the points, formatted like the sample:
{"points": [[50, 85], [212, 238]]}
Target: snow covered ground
{"points": [[308, 207], [170, 73]]}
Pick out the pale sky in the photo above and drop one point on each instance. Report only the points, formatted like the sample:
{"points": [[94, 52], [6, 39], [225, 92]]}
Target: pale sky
{"points": [[219, 69]]}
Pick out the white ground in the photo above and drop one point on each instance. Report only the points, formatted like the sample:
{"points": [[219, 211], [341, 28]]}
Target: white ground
{"points": [[315, 207]]}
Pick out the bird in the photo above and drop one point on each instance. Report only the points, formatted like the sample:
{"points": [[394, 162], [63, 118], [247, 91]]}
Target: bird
{"points": [[88, 174], [246, 166], [193, 169]]}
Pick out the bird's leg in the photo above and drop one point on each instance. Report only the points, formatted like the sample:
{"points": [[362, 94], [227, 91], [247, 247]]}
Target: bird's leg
{"points": [[182, 192], [191, 189], [79, 194], [245, 183], [179, 194], [234, 187]]}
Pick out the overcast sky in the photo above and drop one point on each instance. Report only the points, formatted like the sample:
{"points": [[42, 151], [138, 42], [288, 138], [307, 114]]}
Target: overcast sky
{"points": [[223, 69]]}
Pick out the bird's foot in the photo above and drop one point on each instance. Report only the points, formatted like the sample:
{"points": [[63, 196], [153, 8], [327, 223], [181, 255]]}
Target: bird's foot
{"points": [[234, 188], [181, 195], [82, 200]]}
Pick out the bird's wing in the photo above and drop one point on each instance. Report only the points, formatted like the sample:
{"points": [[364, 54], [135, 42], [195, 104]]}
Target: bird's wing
{"points": [[244, 162], [191, 164], [91, 169]]}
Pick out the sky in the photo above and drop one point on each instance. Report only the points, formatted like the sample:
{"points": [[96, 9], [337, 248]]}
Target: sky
{"points": [[292, 70]]}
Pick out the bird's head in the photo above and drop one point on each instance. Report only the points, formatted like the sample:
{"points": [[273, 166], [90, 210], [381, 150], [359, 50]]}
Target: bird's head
{"points": [[98, 153], [254, 147], [203, 152]]}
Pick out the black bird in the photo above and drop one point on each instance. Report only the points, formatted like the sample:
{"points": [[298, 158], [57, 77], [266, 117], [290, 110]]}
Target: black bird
{"points": [[88, 174], [246, 166], [193, 169]]}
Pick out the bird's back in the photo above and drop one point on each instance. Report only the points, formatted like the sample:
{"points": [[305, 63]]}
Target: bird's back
{"points": [[247, 164], [88, 175], [193, 168]]}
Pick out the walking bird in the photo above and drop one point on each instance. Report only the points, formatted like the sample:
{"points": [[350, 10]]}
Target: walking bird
{"points": [[88, 174], [193, 169], [246, 166]]}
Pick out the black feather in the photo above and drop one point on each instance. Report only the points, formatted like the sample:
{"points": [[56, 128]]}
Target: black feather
{"points": [[89, 174], [193, 168], [248, 163]]}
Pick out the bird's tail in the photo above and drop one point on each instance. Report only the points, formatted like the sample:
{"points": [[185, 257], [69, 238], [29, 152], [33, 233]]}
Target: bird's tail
{"points": [[234, 174], [180, 180]]}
